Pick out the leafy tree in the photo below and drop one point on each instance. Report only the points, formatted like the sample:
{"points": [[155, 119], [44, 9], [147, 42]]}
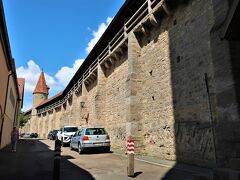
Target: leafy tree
{"points": [[23, 119]]}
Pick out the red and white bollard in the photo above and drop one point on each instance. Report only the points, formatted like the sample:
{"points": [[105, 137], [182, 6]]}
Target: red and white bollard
{"points": [[130, 152]]}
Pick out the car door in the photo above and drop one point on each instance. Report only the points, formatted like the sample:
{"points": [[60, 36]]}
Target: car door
{"points": [[80, 135], [59, 134], [74, 140]]}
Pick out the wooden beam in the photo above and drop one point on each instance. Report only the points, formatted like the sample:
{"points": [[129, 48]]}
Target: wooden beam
{"points": [[107, 66], [230, 17]]}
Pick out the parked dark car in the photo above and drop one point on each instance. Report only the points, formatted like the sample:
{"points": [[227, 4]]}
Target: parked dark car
{"points": [[52, 135], [25, 135], [33, 135]]}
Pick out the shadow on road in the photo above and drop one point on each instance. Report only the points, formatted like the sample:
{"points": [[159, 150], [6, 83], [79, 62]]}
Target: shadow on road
{"points": [[94, 151], [34, 160], [137, 173]]}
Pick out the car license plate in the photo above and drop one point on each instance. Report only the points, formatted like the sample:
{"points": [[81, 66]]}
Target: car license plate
{"points": [[98, 144]]}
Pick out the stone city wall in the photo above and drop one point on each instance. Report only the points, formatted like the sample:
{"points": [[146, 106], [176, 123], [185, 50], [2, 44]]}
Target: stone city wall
{"points": [[175, 111], [159, 91]]}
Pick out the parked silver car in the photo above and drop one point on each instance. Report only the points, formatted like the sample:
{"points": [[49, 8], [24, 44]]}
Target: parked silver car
{"points": [[90, 138]]}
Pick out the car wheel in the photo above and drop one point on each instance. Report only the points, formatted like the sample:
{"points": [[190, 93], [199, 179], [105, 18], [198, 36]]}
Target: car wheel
{"points": [[80, 149], [62, 143], [71, 148], [107, 149]]}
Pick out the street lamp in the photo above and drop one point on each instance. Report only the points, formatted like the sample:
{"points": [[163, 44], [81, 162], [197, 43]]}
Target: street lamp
{"points": [[82, 104]]}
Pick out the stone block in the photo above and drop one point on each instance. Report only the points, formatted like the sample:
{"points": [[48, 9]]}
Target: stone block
{"points": [[234, 175], [235, 163], [221, 174]]}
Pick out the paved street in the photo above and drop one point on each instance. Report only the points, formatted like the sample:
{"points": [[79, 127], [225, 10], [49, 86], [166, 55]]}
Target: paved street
{"points": [[34, 160]]}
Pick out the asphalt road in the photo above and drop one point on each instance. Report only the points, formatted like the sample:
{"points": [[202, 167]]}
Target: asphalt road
{"points": [[106, 166], [34, 161]]}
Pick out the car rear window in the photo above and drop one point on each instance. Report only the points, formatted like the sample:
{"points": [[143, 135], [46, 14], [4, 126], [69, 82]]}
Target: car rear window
{"points": [[95, 131], [70, 129]]}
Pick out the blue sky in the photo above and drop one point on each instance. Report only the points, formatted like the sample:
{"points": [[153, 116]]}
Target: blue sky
{"points": [[54, 35]]}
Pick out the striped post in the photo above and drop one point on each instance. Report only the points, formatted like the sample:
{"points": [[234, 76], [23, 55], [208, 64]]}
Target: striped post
{"points": [[130, 152], [57, 157]]}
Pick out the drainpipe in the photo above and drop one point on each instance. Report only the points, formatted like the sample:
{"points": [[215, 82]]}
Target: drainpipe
{"points": [[211, 116], [4, 111], [16, 112], [1, 112]]}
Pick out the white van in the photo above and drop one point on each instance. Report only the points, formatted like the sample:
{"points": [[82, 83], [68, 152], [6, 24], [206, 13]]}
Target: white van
{"points": [[66, 134]]}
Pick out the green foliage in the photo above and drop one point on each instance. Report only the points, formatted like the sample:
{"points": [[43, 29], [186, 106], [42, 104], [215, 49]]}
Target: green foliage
{"points": [[23, 119]]}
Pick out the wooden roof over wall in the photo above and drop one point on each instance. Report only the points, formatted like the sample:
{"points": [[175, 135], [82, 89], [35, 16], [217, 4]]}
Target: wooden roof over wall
{"points": [[124, 14], [231, 29]]}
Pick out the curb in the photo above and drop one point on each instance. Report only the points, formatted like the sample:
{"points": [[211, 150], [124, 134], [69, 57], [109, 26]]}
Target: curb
{"points": [[146, 161], [184, 169]]}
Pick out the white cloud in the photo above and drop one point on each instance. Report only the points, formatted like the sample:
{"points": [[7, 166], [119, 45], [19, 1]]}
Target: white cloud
{"points": [[56, 83], [97, 34], [60, 80], [65, 74], [31, 74]]}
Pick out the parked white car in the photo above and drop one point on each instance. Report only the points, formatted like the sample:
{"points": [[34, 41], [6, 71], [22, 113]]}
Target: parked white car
{"points": [[66, 134]]}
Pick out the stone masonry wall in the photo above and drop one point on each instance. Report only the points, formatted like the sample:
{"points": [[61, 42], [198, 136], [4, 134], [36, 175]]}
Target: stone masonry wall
{"points": [[75, 110], [90, 103], [58, 117], [115, 104], [175, 114], [169, 90], [157, 98], [225, 59], [50, 121]]}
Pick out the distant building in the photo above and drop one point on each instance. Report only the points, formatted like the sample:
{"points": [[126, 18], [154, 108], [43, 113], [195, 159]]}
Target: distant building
{"points": [[21, 84], [10, 100], [26, 128]]}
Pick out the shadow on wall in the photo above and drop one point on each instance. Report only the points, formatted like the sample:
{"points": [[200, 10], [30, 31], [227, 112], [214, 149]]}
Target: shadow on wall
{"points": [[115, 64], [92, 85], [205, 107], [34, 160], [190, 73], [205, 100]]}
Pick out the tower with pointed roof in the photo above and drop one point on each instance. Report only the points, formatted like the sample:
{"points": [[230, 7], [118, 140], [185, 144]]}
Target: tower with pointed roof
{"points": [[40, 92]]}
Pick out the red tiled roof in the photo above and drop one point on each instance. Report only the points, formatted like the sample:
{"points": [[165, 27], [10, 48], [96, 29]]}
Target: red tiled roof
{"points": [[41, 86], [50, 99], [28, 111], [21, 82]]}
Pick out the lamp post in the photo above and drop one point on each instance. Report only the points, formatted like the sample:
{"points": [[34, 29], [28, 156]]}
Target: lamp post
{"points": [[82, 103]]}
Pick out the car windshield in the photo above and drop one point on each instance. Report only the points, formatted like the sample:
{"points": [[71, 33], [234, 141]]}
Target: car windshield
{"points": [[55, 131], [70, 129], [95, 131]]}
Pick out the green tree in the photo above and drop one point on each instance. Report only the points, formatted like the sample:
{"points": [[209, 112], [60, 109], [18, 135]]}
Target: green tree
{"points": [[23, 119]]}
